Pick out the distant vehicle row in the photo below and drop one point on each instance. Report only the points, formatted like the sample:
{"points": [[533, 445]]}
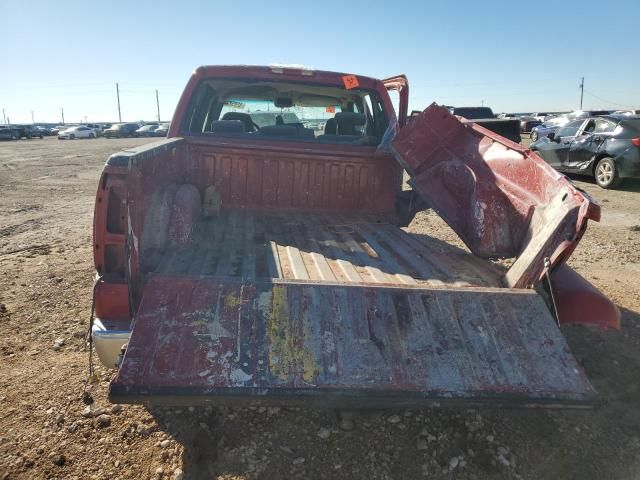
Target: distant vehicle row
{"points": [[16, 132], [85, 130], [118, 130]]}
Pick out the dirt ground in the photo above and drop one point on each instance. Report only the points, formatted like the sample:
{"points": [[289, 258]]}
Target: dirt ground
{"points": [[47, 191]]}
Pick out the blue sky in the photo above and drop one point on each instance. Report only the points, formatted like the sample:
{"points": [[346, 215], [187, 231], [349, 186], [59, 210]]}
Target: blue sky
{"points": [[514, 56]]}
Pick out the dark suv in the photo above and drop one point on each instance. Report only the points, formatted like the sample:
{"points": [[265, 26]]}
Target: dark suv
{"points": [[9, 132], [29, 131], [121, 130]]}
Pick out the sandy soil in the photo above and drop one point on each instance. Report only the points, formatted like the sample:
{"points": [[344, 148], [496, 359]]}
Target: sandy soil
{"points": [[46, 204]]}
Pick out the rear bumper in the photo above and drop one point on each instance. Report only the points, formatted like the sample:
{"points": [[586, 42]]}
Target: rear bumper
{"points": [[337, 398], [629, 163], [108, 338]]}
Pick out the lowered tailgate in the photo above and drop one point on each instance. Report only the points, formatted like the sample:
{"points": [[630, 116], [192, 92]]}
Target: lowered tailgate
{"points": [[199, 340]]}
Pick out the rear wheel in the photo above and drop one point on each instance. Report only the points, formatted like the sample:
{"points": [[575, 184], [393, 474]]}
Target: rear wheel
{"points": [[72, 137], [534, 136], [606, 173], [92, 135]]}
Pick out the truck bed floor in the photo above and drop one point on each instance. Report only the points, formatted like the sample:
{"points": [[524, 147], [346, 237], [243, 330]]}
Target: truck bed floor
{"points": [[335, 248]]}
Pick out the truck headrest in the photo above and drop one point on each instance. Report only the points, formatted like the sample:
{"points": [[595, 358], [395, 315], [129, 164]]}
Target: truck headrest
{"points": [[348, 121], [227, 126]]}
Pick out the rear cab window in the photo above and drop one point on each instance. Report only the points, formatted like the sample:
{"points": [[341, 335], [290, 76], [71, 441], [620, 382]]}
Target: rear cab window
{"points": [[280, 110]]}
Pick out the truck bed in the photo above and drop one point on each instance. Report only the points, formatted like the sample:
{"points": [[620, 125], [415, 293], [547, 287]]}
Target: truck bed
{"points": [[336, 248], [271, 274]]}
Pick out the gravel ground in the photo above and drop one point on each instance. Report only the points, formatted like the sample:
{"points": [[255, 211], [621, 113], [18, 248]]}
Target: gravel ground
{"points": [[47, 431]]}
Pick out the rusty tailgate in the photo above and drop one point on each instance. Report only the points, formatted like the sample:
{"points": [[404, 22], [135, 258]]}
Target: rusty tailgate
{"points": [[275, 342]]}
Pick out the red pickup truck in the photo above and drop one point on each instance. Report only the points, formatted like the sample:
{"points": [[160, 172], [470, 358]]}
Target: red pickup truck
{"points": [[267, 262]]}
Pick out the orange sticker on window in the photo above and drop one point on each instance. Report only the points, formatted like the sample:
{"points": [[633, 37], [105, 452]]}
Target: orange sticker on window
{"points": [[330, 109], [350, 81]]}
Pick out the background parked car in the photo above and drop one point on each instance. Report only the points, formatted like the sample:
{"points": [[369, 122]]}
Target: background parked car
{"points": [[598, 113], [605, 147], [540, 116], [147, 131], [28, 131], [96, 127], [46, 131], [553, 124], [9, 132], [162, 130], [483, 116], [80, 131], [626, 112], [121, 130], [527, 123]]}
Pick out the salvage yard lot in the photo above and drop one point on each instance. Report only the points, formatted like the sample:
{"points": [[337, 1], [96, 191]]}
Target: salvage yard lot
{"points": [[46, 205]]}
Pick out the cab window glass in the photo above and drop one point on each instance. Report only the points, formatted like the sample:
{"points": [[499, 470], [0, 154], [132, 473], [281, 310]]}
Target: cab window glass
{"points": [[604, 126], [589, 127], [570, 130]]}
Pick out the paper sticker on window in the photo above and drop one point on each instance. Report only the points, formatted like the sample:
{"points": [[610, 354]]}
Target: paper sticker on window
{"points": [[350, 81], [330, 109]]}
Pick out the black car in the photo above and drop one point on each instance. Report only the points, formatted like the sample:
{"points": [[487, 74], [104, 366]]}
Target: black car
{"points": [[528, 123], [483, 116], [46, 131], [9, 132], [606, 147], [121, 130]]}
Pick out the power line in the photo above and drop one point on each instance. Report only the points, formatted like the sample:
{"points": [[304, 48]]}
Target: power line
{"points": [[607, 101]]}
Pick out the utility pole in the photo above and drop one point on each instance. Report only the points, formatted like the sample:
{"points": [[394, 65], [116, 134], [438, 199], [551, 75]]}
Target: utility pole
{"points": [[4, 116], [118, 95], [482, 102], [32, 120], [581, 92], [158, 105], [62, 113]]}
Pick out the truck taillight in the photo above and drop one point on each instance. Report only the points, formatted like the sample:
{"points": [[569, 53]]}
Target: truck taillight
{"points": [[636, 141]]}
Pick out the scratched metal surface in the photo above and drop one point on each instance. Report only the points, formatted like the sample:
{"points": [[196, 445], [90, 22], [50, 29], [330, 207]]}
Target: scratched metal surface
{"points": [[492, 192], [342, 248], [292, 342]]}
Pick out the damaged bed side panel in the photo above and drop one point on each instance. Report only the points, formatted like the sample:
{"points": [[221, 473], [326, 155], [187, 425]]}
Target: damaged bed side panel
{"points": [[500, 198]]}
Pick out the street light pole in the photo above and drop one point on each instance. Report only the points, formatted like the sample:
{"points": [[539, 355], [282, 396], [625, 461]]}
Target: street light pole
{"points": [[581, 92], [4, 117], [62, 113], [158, 105], [118, 95], [32, 119]]}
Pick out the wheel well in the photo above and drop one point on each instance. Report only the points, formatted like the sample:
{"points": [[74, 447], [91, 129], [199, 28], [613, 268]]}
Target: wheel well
{"points": [[596, 159]]}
